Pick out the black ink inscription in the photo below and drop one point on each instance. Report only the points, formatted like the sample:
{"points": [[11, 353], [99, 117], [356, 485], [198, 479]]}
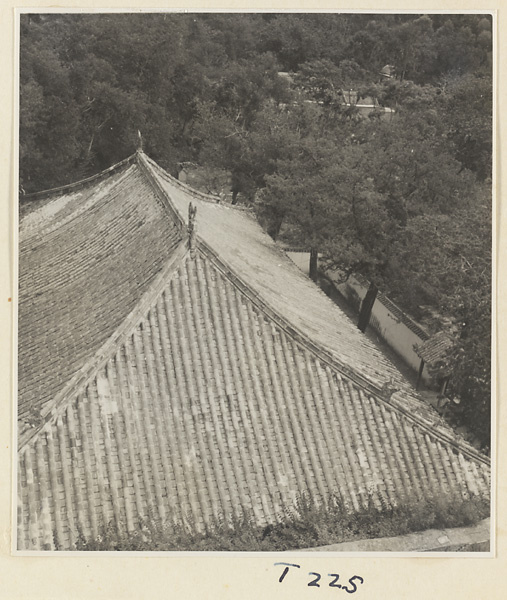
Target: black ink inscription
{"points": [[351, 582], [286, 570], [351, 588]]}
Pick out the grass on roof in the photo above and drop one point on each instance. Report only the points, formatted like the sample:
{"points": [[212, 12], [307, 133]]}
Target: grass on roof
{"points": [[306, 525]]}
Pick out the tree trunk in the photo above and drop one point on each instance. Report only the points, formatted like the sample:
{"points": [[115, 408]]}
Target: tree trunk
{"points": [[314, 264], [366, 307], [419, 375], [274, 225]]}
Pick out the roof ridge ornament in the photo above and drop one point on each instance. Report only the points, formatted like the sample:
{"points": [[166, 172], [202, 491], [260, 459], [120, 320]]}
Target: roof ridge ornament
{"points": [[389, 389], [140, 141], [192, 211]]}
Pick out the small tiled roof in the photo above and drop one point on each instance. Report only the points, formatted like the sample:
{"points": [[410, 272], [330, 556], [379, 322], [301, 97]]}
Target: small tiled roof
{"points": [[231, 386], [435, 348]]}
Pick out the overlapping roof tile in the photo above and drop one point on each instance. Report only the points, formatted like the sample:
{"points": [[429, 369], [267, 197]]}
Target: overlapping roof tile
{"points": [[231, 386], [85, 258], [435, 348]]}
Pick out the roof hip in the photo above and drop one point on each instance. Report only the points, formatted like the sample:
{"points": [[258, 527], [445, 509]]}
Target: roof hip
{"points": [[82, 182], [163, 196], [301, 338]]}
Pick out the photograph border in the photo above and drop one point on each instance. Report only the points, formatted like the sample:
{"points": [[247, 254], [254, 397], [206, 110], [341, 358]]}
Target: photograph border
{"points": [[385, 554], [94, 576]]}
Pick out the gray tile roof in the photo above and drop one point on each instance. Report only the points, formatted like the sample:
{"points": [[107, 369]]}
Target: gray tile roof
{"points": [[232, 385], [85, 258], [435, 348]]}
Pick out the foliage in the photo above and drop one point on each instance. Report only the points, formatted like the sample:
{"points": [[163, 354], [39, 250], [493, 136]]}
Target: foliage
{"points": [[308, 524], [89, 82], [447, 259]]}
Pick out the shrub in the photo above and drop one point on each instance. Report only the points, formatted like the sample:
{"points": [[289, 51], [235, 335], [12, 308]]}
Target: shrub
{"points": [[307, 524]]}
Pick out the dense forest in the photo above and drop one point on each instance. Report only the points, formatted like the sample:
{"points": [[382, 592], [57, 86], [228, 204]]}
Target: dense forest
{"points": [[402, 197]]}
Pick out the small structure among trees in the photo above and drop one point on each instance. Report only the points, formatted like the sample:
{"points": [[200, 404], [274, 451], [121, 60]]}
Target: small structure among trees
{"points": [[434, 352]]}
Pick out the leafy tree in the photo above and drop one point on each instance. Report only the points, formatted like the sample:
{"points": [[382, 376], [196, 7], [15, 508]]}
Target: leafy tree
{"points": [[320, 193], [411, 47], [467, 104], [459, 50], [242, 128], [292, 38]]}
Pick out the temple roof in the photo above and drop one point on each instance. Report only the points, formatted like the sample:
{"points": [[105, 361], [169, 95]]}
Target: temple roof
{"points": [[196, 378], [86, 257]]}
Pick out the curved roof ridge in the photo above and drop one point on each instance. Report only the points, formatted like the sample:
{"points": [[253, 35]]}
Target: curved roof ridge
{"points": [[376, 392], [192, 191], [87, 372], [82, 182], [43, 219], [365, 383], [144, 163]]}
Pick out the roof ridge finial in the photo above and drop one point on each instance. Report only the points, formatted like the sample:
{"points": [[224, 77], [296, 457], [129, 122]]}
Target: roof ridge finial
{"points": [[140, 141], [192, 211]]}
